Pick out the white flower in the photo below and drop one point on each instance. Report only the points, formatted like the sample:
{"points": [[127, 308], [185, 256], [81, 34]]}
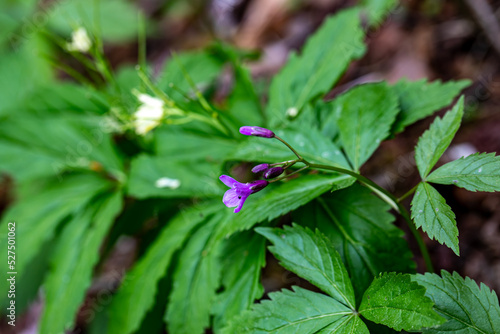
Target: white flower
{"points": [[292, 112], [166, 182], [80, 41], [149, 114]]}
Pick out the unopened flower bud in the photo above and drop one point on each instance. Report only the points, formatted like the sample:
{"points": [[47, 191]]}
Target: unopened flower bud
{"points": [[273, 172], [256, 131], [260, 168]]}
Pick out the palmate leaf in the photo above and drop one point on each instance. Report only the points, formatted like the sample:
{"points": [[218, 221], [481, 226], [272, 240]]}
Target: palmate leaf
{"points": [[365, 116], [467, 308], [324, 58], [76, 141], [243, 257], [74, 258], [308, 141], [430, 212], [347, 325], [396, 301], [419, 99], [276, 200], [291, 312], [477, 172], [313, 257], [432, 144], [137, 292], [361, 229], [38, 215], [196, 280]]}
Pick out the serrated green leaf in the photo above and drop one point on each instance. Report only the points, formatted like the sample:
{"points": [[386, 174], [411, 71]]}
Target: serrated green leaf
{"points": [[75, 256], [313, 257], [320, 115], [290, 312], [196, 279], [467, 308], [276, 200], [419, 99], [346, 325], [361, 229], [366, 113], [377, 10], [309, 142], [430, 212], [432, 144], [477, 172], [324, 58], [137, 292], [66, 15], [183, 145], [327, 119], [396, 301], [187, 178], [243, 259]]}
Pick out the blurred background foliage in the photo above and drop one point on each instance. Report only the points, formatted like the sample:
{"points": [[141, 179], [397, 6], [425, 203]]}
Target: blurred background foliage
{"points": [[64, 162]]}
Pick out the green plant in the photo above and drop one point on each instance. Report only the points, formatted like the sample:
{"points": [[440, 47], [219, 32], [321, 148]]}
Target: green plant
{"points": [[117, 149]]}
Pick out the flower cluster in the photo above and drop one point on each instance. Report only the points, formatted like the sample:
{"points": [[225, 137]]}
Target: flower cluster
{"points": [[239, 192]]}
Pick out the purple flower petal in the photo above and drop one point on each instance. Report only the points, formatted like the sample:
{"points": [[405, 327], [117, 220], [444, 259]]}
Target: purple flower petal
{"points": [[231, 198], [239, 192], [242, 201], [228, 180], [256, 131]]}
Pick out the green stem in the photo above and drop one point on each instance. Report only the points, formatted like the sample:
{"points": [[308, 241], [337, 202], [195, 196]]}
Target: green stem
{"points": [[389, 199], [158, 92], [141, 40], [288, 175], [290, 147], [201, 99], [411, 191]]}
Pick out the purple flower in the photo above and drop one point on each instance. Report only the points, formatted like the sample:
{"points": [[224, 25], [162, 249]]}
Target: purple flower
{"points": [[239, 192], [256, 131], [273, 172], [260, 168]]}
